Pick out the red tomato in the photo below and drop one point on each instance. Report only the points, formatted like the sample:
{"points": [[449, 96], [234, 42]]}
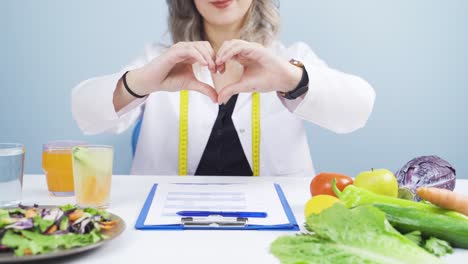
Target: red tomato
{"points": [[322, 183]]}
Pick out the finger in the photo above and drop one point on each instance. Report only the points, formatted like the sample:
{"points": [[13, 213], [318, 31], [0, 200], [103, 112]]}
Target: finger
{"points": [[227, 92], [212, 53], [225, 46], [221, 66], [198, 56], [228, 51], [205, 51], [242, 51], [189, 54], [204, 89]]}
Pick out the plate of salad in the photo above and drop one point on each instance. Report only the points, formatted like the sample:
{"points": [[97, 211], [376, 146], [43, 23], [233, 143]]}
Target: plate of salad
{"points": [[30, 233]]}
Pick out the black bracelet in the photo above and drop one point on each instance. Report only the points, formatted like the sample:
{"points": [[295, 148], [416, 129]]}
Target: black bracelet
{"points": [[124, 79], [303, 85]]}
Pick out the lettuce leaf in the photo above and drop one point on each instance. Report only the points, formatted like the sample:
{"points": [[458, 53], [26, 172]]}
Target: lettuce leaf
{"points": [[433, 245], [38, 243], [19, 243], [95, 211], [71, 240], [67, 207], [416, 237], [42, 224], [4, 213], [358, 235], [437, 246]]}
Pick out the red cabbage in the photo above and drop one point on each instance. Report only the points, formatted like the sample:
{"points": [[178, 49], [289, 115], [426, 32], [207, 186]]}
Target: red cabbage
{"points": [[25, 223], [425, 171]]}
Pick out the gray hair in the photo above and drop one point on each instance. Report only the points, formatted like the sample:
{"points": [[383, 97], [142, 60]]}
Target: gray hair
{"points": [[261, 23]]}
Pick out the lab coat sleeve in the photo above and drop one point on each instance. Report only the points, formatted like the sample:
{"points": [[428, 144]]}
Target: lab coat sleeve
{"points": [[335, 100], [93, 108]]}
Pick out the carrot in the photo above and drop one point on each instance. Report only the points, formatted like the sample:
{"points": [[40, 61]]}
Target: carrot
{"points": [[105, 227], [52, 230], [30, 213], [108, 223], [77, 214], [445, 199]]}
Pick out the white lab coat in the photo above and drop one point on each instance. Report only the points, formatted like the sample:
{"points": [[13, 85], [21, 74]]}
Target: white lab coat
{"points": [[336, 101]]}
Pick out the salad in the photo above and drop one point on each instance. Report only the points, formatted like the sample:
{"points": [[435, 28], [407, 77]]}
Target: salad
{"points": [[34, 230]]}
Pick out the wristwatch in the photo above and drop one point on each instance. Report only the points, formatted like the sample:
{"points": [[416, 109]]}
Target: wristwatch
{"points": [[303, 85]]}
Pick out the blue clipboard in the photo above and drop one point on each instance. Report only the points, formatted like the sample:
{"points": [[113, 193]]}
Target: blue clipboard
{"points": [[290, 226]]}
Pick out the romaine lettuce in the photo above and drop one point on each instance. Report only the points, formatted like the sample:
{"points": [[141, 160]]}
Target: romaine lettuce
{"points": [[358, 235]]}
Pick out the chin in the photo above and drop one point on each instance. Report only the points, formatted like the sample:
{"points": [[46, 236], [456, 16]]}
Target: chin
{"points": [[224, 19]]}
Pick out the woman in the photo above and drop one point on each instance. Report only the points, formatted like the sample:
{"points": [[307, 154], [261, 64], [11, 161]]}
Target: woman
{"points": [[248, 95]]}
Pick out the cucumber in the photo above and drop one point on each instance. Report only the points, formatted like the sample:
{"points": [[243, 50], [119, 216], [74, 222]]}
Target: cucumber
{"points": [[94, 164], [82, 155], [449, 228]]}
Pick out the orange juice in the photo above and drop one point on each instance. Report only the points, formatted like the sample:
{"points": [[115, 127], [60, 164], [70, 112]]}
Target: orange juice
{"points": [[57, 166]]}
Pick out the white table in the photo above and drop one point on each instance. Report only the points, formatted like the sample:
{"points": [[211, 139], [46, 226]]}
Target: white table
{"points": [[135, 246]]}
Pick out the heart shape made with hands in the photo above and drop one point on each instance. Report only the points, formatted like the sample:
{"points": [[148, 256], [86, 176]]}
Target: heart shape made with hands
{"points": [[263, 71]]}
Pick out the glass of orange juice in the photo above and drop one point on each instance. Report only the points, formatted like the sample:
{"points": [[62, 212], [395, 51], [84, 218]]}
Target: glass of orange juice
{"points": [[92, 170], [57, 166]]}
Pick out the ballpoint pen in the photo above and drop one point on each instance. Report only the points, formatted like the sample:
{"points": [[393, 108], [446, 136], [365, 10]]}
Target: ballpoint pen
{"points": [[222, 213]]}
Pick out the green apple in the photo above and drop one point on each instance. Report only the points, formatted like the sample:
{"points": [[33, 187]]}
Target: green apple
{"points": [[380, 181]]}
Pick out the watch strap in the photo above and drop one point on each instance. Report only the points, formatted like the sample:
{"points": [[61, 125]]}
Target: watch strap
{"points": [[303, 85]]}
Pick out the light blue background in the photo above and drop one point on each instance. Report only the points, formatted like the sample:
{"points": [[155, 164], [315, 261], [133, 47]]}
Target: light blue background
{"points": [[412, 52]]}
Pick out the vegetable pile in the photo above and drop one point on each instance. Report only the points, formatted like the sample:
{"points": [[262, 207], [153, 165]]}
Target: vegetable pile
{"points": [[369, 221], [409, 216], [358, 235], [34, 230]]}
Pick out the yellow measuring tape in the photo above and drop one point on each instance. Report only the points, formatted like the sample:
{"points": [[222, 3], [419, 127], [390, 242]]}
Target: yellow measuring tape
{"points": [[256, 133], [183, 133]]}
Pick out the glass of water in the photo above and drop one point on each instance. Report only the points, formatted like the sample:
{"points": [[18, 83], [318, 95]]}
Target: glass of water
{"points": [[11, 173]]}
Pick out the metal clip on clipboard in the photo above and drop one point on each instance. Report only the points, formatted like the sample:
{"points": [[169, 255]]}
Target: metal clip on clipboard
{"points": [[217, 218], [214, 221]]}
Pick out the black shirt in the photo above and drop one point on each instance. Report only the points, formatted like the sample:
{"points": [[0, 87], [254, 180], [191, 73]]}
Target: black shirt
{"points": [[223, 154]]}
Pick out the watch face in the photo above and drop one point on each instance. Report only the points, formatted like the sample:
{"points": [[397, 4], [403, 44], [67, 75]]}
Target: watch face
{"points": [[296, 63]]}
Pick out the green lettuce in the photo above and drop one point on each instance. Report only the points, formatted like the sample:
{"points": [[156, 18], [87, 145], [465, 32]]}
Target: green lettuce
{"points": [[39, 243], [20, 243], [42, 224], [4, 221], [4, 213], [358, 235], [95, 211], [67, 207], [71, 240], [433, 245], [416, 237], [437, 246]]}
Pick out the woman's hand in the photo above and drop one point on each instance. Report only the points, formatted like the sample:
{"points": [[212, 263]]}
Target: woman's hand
{"points": [[172, 71], [263, 70]]}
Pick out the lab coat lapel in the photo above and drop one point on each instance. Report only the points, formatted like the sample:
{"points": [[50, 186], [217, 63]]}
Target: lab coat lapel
{"points": [[242, 119], [202, 115]]}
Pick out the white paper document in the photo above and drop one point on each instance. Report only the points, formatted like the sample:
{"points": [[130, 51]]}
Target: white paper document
{"points": [[174, 197]]}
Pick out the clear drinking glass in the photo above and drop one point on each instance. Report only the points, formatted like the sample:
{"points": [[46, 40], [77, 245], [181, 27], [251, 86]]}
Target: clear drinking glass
{"points": [[57, 166], [11, 173], [92, 172]]}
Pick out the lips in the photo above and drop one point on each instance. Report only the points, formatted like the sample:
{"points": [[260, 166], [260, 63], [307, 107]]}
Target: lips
{"points": [[222, 3]]}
